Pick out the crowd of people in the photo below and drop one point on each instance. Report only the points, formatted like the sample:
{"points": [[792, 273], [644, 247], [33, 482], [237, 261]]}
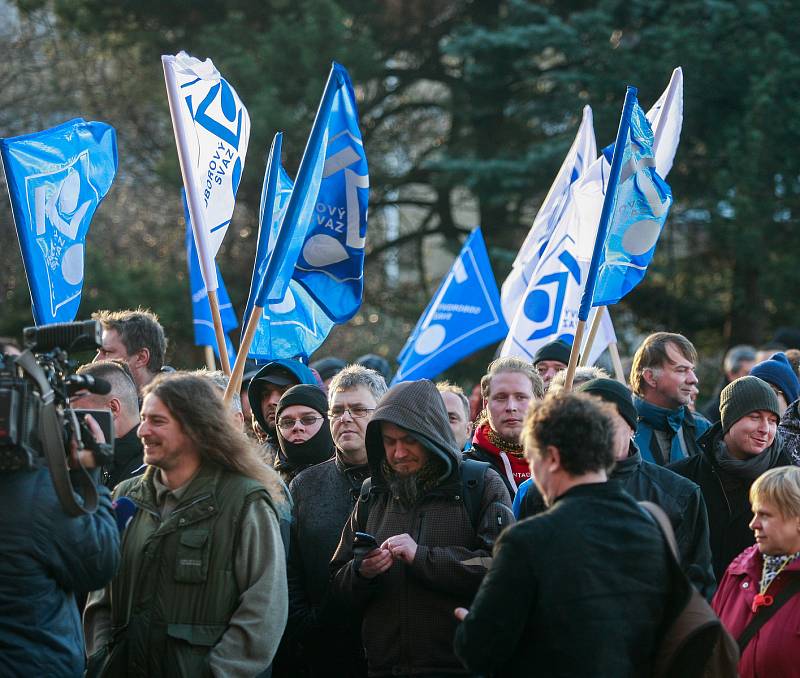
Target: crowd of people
{"points": [[320, 523]]}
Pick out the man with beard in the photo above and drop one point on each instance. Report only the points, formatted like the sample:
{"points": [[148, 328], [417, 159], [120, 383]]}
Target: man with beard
{"points": [[508, 388], [325, 632], [429, 551]]}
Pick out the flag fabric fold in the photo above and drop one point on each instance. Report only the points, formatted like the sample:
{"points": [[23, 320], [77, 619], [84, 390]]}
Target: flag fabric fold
{"points": [[464, 315], [56, 179]]}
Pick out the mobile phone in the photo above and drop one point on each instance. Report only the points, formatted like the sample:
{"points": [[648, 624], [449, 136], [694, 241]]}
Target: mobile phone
{"points": [[365, 540]]}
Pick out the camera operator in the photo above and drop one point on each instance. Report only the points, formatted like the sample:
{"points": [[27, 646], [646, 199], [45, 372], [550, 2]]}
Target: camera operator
{"points": [[46, 557]]}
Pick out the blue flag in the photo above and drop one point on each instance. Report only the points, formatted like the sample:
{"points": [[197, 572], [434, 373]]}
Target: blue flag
{"points": [[641, 205], [203, 323], [294, 325], [56, 179], [331, 264], [463, 316]]}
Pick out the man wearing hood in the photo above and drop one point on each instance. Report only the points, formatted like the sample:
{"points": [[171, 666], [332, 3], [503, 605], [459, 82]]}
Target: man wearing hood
{"points": [[680, 498], [508, 388], [430, 556], [735, 451], [264, 392]]}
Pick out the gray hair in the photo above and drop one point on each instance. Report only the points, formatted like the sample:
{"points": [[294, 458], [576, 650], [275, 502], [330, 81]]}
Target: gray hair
{"points": [[448, 387], [738, 355], [356, 375], [582, 375], [220, 380]]}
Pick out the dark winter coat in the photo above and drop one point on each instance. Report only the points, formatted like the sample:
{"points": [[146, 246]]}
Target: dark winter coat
{"points": [[46, 557], [128, 459], [680, 499], [789, 429], [729, 512], [327, 633], [579, 590], [775, 649], [408, 611]]}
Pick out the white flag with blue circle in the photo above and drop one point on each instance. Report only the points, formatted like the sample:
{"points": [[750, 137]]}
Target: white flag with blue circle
{"points": [[56, 179]]}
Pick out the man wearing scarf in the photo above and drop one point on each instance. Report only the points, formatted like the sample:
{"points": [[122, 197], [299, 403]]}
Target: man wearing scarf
{"points": [[735, 452], [507, 388], [663, 382]]}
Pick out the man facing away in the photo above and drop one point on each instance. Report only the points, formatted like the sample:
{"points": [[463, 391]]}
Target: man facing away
{"points": [[432, 544], [508, 388], [327, 631], [202, 585], [581, 589], [663, 382]]}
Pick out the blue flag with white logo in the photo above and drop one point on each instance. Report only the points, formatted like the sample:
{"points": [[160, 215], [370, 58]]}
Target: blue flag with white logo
{"points": [[294, 325], [463, 316], [331, 264], [203, 323], [56, 179], [641, 206]]}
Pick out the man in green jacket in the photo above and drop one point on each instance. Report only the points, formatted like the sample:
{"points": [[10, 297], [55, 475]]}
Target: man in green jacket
{"points": [[201, 590]]}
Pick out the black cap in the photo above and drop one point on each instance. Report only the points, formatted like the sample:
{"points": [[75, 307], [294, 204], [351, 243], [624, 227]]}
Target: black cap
{"points": [[556, 350], [615, 393]]}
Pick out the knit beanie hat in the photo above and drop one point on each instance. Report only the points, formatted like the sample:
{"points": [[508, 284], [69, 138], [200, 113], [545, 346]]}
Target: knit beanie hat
{"points": [[743, 396], [615, 393], [556, 350], [304, 394], [778, 372]]}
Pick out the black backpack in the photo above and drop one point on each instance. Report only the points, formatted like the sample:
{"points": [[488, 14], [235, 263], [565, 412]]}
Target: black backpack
{"points": [[473, 475]]}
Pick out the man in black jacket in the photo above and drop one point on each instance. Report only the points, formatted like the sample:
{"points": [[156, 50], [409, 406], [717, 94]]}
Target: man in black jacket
{"points": [[735, 452], [681, 499], [580, 590]]}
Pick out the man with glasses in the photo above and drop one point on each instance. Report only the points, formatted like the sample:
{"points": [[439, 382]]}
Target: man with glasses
{"points": [[325, 632]]}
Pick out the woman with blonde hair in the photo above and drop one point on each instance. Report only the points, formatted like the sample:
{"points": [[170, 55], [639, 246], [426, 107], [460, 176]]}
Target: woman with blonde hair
{"points": [[758, 599]]}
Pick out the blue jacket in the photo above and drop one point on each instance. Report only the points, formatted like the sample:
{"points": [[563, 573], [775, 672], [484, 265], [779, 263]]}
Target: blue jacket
{"points": [[45, 557]]}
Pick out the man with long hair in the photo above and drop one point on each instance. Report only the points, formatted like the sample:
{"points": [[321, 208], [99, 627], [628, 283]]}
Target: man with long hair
{"points": [[202, 584]]}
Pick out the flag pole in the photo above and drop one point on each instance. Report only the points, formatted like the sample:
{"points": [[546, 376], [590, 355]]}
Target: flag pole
{"points": [[210, 363], [602, 229], [598, 318], [619, 374], [235, 382], [195, 208]]}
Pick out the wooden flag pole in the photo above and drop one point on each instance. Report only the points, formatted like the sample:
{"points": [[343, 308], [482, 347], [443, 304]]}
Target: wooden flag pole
{"points": [[219, 333], [235, 382], [613, 350], [598, 317], [210, 363], [573, 355]]}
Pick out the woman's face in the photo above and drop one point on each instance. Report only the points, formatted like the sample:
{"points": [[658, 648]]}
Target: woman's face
{"points": [[299, 432], [775, 534]]}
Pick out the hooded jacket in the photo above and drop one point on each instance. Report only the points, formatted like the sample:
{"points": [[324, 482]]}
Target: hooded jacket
{"points": [[408, 622]]}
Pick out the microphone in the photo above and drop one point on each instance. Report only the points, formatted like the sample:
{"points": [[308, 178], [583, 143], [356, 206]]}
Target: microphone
{"points": [[79, 382], [124, 510]]}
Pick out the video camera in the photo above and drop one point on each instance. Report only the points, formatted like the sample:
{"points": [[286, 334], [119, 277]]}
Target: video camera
{"points": [[37, 425]]}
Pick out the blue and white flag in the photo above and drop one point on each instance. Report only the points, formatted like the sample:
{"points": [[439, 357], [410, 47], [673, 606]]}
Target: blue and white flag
{"points": [[331, 264], [463, 316], [294, 325], [203, 324], [56, 179], [641, 203], [581, 155], [212, 129], [553, 297]]}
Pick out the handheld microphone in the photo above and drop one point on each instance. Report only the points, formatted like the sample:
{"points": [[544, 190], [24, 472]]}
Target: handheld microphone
{"points": [[79, 382], [124, 510]]}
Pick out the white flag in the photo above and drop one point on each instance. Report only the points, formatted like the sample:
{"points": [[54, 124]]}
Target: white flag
{"points": [[212, 129], [549, 309], [581, 154]]}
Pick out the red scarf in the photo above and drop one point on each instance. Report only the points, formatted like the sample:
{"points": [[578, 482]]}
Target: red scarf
{"points": [[510, 462]]}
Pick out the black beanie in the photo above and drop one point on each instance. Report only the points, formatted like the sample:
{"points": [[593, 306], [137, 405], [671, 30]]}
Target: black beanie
{"points": [[304, 394], [555, 350], [615, 393], [743, 396]]}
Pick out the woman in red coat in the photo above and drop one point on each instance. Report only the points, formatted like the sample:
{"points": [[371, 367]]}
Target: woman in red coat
{"points": [[758, 574]]}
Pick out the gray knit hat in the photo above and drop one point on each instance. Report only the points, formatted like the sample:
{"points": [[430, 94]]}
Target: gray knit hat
{"points": [[743, 396]]}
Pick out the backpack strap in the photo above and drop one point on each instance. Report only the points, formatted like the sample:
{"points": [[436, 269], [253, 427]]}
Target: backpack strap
{"points": [[765, 614], [473, 479], [363, 504], [663, 523]]}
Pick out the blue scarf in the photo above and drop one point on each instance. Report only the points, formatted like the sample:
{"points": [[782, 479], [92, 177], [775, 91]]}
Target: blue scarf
{"points": [[660, 419]]}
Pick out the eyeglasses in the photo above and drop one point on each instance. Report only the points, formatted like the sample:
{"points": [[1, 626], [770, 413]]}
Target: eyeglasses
{"points": [[357, 411], [287, 423]]}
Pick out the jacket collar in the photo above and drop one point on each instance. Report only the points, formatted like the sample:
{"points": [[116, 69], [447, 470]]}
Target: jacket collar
{"points": [[625, 468]]}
